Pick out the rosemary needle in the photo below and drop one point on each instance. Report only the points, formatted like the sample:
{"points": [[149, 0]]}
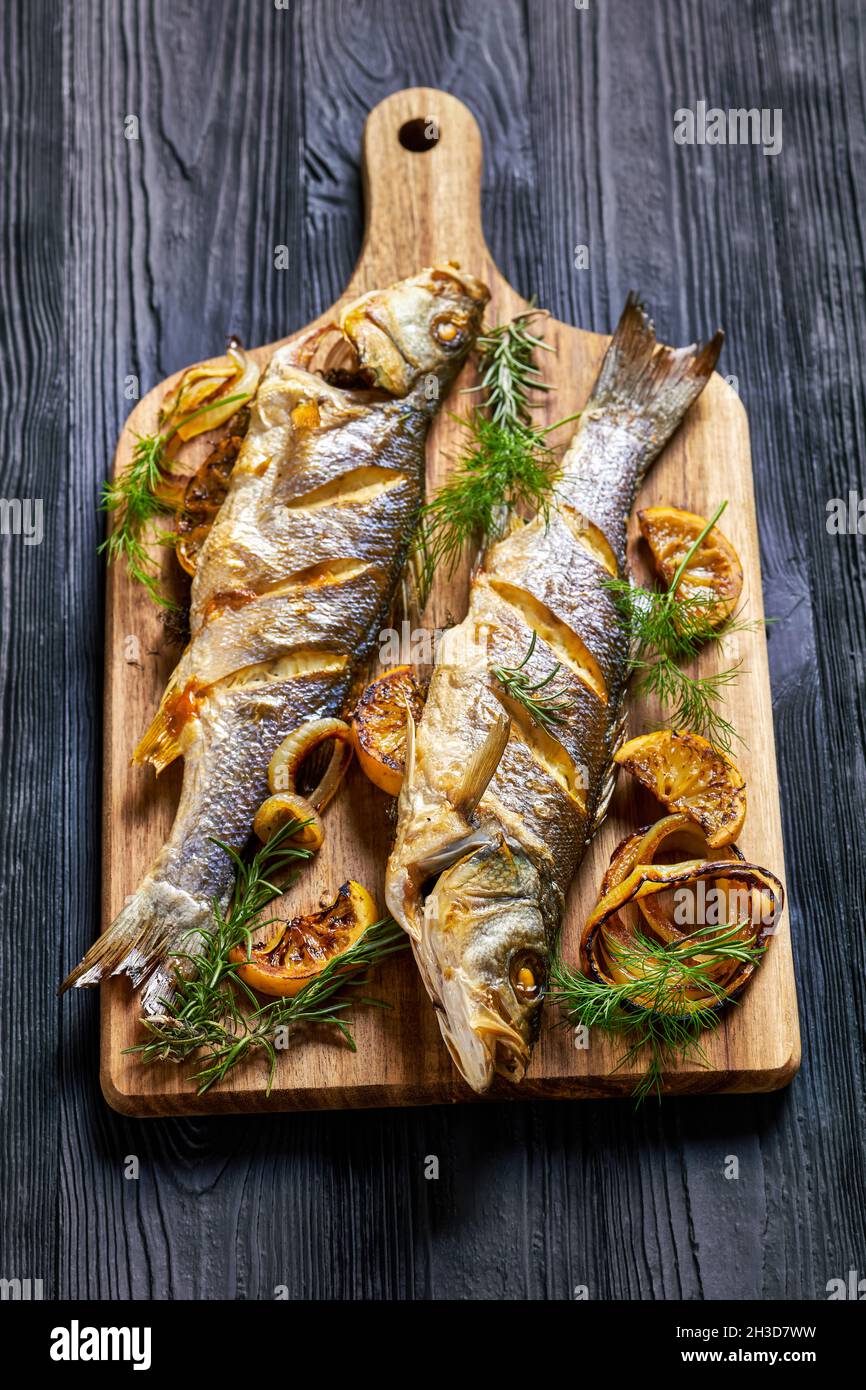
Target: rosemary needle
{"points": [[509, 371], [546, 709], [507, 464]]}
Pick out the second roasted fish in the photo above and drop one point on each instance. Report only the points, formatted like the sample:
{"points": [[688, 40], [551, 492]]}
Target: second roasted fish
{"points": [[496, 809], [291, 588]]}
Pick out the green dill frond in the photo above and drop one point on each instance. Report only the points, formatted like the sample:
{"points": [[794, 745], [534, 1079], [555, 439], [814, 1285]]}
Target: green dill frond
{"points": [[666, 632], [133, 498], [649, 1011]]}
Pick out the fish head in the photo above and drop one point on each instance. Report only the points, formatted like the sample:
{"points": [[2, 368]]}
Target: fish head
{"points": [[417, 332], [484, 949]]}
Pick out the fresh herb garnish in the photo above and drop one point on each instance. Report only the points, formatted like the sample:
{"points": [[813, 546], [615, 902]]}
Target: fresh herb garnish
{"points": [[509, 371], [649, 1010], [134, 496], [508, 463], [215, 1012], [547, 709], [668, 631]]}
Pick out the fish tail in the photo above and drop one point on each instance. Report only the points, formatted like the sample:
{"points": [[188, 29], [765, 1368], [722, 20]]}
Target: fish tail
{"points": [[157, 917], [646, 386]]}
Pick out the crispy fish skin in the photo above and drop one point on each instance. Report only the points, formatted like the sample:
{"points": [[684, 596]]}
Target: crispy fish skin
{"points": [[291, 589], [478, 877]]}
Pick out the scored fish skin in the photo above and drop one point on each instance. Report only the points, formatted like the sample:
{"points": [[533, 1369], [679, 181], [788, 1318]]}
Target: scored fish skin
{"points": [[291, 589], [484, 930]]}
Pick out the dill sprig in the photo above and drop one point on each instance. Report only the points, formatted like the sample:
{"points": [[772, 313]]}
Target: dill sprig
{"points": [[649, 1011], [546, 709], [133, 495], [134, 499], [503, 469], [690, 702], [214, 1011], [668, 631], [507, 465]]}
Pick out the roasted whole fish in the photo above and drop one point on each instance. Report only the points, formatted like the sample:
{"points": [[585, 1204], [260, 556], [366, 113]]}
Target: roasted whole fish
{"points": [[496, 811], [291, 588]]}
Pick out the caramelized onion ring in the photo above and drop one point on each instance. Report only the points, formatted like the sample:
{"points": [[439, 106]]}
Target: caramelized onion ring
{"points": [[632, 877], [644, 846], [286, 762]]}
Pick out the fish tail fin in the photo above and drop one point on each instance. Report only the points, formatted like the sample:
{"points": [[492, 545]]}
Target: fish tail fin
{"points": [[153, 921], [647, 386]]}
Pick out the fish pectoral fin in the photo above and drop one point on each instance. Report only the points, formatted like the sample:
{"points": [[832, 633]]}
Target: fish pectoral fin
{"points": [[443, 858], [481, 767], [162, 742]]}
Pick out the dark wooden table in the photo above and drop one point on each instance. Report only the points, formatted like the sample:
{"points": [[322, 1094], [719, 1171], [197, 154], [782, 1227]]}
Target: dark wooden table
{"points": [[130, 257]]}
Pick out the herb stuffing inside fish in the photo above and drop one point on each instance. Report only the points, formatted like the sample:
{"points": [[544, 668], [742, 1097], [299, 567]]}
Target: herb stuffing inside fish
{"points": [[496, 809], [291, 588]]}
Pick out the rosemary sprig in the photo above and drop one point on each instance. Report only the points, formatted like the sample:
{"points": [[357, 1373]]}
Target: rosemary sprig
{"points": [[214, 1012], [548, 709], [508, 463], [648, 1010], [134, 497], [666, 632], [509, 371]]}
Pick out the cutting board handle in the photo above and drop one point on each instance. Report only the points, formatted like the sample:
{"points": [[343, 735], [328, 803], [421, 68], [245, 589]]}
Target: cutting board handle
{"points": [[421, 162]]}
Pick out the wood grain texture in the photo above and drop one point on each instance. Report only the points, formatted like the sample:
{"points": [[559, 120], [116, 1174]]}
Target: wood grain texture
{"points": [[102, 237], [423, 207]]}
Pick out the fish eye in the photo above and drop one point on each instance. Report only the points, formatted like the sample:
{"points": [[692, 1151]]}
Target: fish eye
{"points": [[527, 973], [447, 331]]}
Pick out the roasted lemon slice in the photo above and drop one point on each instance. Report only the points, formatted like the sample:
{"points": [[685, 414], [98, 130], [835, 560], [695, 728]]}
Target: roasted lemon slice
{"points": [[379, 726], [691, 776], [300, 949], [713, 574]]}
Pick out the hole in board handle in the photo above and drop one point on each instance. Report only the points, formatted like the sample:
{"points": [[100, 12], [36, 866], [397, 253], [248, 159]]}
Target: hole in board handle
{"points": [[418, 135]]}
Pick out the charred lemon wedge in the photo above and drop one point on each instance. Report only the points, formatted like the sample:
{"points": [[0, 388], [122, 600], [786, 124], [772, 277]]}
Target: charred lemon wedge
{"points": [[379, 726], [692, 777], [299, 950], [713, 574]]}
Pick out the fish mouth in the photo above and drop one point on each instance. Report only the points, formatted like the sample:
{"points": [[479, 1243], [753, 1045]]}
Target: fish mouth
{"points": [[483, 1044]]}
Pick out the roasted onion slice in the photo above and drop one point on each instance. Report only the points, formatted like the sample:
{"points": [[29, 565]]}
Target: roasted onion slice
{"points": [[286, 805], [285, 765], [643, 922]]}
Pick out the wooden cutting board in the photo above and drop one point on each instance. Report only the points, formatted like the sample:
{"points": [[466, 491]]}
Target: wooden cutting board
{"points": [[423, 205]]}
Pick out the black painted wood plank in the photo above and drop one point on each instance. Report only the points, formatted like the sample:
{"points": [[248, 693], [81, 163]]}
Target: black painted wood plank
{"points": [[33, 805]]}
